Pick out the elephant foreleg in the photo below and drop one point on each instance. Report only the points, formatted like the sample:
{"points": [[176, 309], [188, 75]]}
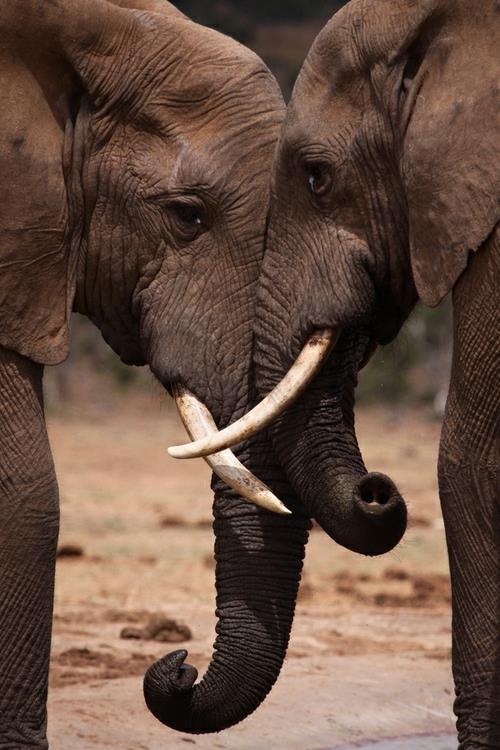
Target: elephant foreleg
{"points": [[469, 489], [29, 523]]}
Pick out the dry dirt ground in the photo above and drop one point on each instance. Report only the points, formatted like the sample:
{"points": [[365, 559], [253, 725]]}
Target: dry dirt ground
{"points": [[370, 650]]}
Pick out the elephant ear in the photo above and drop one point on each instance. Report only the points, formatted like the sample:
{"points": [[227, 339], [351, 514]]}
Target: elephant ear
{"points": [[50, 53], [451, 145]]}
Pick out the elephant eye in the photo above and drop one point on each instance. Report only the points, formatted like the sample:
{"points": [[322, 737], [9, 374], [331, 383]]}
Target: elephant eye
{"points": [[188, 219], [319, 178]]}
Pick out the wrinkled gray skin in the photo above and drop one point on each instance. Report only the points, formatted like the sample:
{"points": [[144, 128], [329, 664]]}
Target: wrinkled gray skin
{"points": [[135, 151], [386, 187]]}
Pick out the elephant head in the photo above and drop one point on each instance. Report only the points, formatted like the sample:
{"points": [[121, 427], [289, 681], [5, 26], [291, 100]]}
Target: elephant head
{"points": [[136, 148], [384, 181]]}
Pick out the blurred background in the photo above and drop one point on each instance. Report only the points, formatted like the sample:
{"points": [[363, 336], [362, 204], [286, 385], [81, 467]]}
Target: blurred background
{"points": [[136, 539]]}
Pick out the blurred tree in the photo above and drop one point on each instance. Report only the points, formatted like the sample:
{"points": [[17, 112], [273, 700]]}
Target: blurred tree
{"points": [[416, 366], [258, 11]]}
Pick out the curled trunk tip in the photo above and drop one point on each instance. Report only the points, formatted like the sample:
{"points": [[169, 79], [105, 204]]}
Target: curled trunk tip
{"points": [[259, 559], [165, 683]]}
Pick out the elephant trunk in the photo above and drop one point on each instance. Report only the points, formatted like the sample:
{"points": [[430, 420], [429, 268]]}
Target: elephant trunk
{"points": [[316, 443], [259, 559]]}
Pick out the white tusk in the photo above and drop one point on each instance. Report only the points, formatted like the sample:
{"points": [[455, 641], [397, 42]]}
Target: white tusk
{"points": [[200, 424], [304, 369]]}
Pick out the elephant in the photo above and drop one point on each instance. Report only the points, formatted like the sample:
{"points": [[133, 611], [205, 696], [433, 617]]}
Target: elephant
{"points": [[135, 154], [385, 191]]}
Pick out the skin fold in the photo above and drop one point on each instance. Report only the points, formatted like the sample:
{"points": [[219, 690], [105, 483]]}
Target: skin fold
{"points": [[135, 151], [386, 190]]}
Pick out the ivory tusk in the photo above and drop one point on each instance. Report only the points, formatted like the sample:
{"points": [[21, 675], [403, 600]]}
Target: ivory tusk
{"points": [[304, 369], [199, 424]]}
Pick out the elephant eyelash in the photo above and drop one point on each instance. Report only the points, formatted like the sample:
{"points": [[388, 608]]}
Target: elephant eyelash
{"points": [[195, 196]]}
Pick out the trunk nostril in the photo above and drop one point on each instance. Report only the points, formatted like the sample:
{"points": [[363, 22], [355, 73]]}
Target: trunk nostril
{"points": [[380, 519], [370, 496], [377, 489]]}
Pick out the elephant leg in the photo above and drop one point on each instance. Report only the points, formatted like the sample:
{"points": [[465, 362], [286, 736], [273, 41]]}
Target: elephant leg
{"points": [[469, 489], [29, 524]]}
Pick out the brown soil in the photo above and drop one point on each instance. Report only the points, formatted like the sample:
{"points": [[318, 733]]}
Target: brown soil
{"points": [[368, 631], [81, 665]]}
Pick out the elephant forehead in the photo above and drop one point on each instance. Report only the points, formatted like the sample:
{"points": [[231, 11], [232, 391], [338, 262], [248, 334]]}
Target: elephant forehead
{"points": [[323, 120], [196, 69], [238, 121], [230, 117], [222, 171], [233, 133], [363, 33]]}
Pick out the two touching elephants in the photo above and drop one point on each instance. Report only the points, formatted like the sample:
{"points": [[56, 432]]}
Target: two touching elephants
{"points": [[153, 181]]}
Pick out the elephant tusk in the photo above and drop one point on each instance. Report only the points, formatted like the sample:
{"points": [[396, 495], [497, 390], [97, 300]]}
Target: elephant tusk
{"points": [[200, 424], [304, 369]]}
